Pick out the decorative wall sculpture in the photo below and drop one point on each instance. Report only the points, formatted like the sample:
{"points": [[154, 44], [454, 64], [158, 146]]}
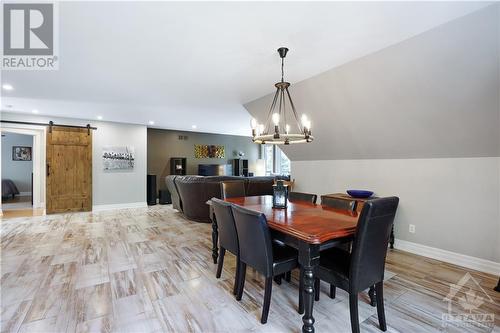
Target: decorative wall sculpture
{"points": [[209, 151], [118, 158]]}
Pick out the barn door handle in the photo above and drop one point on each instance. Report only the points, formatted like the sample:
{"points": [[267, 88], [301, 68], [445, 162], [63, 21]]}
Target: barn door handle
{"points": [[48, 169]]}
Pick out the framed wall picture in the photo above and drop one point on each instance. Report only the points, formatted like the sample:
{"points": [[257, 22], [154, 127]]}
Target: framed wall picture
{"points": [[209, 151], [118, 158], [20, 153]]}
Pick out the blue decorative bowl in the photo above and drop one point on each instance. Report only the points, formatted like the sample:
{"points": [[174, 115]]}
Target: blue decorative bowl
{"points": [[361, 194]]}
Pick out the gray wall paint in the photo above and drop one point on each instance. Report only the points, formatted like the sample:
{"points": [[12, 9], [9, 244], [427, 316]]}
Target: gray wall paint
{"points": [[108, 187], [453, 202], [419, 120], [18, 171], [434, 95], [164, 144]]}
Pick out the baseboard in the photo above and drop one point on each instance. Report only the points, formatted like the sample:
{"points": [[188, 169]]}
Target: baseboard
{"points": [[463, 260], [99, 208], [24, 194]]}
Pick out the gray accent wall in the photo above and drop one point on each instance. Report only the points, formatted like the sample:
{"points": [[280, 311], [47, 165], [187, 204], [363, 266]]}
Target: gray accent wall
{"points": [[420, 120], [165, 144], [434, 95], [17, 171]]}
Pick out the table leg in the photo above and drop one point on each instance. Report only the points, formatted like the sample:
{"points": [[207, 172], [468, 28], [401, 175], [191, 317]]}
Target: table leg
{"points": [[308, 260], [391, 239], [215, 238]]}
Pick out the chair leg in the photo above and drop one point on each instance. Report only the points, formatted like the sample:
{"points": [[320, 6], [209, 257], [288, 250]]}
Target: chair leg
{"points": [[371, 293], [267, 300], [277, 279], [332, 291], [237, 275], [241, 282], [316, 289], [353, 307], [220, 262], [379, 293], [301, 292], [288, 276]]}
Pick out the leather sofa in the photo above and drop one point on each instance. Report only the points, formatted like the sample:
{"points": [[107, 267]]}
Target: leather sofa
{"points": [[190, 193]]}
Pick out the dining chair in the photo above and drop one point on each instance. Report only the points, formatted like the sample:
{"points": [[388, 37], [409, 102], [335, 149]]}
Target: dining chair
{"points": [[300, 196], [259, 252], [228, 238], [232, 189], [336, 203], [364, 266]]}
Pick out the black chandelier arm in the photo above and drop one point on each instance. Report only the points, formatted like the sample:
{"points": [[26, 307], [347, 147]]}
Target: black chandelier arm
{"points": [[299, 127], [273, 105], [281, 106], [284, 111]]}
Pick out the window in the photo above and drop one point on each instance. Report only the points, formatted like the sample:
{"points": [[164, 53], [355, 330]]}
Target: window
{"points": [[277, 163]]}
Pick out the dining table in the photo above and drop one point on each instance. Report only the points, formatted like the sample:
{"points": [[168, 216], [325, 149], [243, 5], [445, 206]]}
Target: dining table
{"points": [[307, 227]]}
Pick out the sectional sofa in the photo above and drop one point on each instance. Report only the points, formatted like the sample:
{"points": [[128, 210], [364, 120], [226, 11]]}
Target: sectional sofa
{"points": [[190, 193]]}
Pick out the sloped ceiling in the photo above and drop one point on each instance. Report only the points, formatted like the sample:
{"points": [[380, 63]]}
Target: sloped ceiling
{"points": [[195, 63], [434, 95]]}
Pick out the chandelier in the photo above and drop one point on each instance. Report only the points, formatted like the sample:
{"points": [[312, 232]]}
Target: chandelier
{"points": [[282, 125]]}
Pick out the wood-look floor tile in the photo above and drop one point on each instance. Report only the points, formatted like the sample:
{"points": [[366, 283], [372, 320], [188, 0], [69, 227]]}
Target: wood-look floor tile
{"points": [[91, 275], [13, 315], [124, 283], [92, 302], [151, 270], [47, 302], [160, 284], [97, 325]]}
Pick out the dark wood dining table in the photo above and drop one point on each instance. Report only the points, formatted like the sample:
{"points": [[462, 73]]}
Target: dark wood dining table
{"points": [[309, 228]]}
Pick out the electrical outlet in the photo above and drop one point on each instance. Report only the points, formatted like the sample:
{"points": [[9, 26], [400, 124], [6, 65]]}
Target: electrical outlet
{"points": [[412, 228]]}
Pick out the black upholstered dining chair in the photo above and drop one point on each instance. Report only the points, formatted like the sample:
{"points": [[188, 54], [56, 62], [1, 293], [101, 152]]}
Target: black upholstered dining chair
{"points": [[336, 203], [259, 252], [232, 189], [228, 238], [300, 196], [364, 266]]}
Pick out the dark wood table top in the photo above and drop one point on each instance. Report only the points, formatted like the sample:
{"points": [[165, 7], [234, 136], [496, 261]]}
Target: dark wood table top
{"points": [[314, 224]]}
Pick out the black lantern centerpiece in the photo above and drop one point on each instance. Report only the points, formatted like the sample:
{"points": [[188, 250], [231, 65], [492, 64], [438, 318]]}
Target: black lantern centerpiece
{"points": [[280, 194]]}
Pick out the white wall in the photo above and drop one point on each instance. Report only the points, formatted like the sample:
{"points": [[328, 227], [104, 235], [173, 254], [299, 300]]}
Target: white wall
{"points": [[109, 188], [453, 202], [18, 171]]}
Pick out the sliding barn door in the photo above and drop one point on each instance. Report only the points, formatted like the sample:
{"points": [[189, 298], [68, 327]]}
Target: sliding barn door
{"points": [[69, 170]]}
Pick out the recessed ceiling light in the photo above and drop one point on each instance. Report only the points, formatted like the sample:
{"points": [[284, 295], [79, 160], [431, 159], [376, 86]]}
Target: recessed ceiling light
{"points": [[151, 122], [7, 86], [194, 126], [35, 111], [99, 117]]}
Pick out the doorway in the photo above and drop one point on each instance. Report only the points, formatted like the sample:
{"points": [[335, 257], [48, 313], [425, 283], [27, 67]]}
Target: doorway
{"points": [[23, 170]]}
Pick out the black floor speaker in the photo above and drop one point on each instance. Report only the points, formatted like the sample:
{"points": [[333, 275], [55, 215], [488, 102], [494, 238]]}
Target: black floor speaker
{"points": [[151, 190], [165, 197]]}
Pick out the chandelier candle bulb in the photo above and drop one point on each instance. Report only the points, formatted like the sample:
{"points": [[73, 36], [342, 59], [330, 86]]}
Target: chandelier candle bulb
{"points": [[253, 123]]}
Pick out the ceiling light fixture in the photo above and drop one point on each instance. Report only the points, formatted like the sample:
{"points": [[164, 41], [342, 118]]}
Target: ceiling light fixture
{"points": [[194, 126], [151, 122], [99, 117], [282, 125], [7, 86], [35, 111]]}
